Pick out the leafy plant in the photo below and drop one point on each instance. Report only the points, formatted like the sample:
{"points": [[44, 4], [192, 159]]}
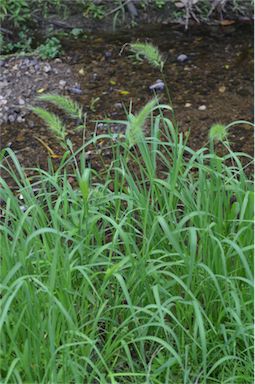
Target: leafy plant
{"points": [[50, 49], [160, 3], [97, 11], [76, 32], [22, 45]]}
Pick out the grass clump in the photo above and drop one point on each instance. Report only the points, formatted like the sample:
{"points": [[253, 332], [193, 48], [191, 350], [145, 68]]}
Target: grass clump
{"points": [[145, 277]]}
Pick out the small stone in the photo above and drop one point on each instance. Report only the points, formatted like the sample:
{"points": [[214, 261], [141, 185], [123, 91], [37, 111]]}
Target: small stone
{"points": [[55, 71], [107, 54], [3, 102], [202, 108], [21, 101], [33, 62], [31, 124], [182, 58], [47, 68], [157, 86], [62, 83], [222, 89], [75, 90], [118, 105], [23, 208], [57, 61], [187, 105], [2, 63], [20, 119], [12, 118]]}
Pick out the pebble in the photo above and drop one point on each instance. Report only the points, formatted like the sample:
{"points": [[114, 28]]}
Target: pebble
{"points": [[12, 118], [75, 90], [23, 208], [182, 58], [187, 105], [107, 54], [47, 68], [118, 105], [62, 83], [21, 101], [202, 108], [157, 86], [31, 124], [57, 61], [20, 119], [2, 101]]}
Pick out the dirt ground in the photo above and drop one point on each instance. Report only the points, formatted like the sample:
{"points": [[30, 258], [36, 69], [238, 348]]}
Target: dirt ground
{"points": [[214, 83]]}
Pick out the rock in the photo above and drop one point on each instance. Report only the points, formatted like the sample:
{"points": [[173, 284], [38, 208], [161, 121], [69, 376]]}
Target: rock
{"points": [[118, 105], [31, 124], [62, 83], [182, 58], [57, 61], [2, 101], [21, 101], [107, 54], [46, 68], [75, 90], [2, 63], [23, 208], [55, 71], [12, 118], [187, 105], [202, 108], [20, 119], [157, 86]]}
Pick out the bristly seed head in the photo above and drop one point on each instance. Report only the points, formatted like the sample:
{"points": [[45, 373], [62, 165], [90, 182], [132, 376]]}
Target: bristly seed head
{"points": [[218, 132]]}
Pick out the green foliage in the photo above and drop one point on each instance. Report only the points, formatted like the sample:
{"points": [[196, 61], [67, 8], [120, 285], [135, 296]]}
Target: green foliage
{"points": [[97, 11], [160, 3], [50, 49], [147, 281], [23, 44], [16, 11], [76, 32]]}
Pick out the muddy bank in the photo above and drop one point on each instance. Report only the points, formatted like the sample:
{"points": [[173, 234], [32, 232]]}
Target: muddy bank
{"points": [[213, 83]]}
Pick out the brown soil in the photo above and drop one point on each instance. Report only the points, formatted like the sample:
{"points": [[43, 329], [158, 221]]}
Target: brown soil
{"points": [[218, 76]]}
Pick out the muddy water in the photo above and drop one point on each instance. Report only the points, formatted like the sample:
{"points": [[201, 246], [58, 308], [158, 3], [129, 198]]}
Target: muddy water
{"points": [[215, 84]]}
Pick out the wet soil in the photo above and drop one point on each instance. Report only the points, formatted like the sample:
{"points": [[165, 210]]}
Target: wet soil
{"points": [[214, 84]]}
